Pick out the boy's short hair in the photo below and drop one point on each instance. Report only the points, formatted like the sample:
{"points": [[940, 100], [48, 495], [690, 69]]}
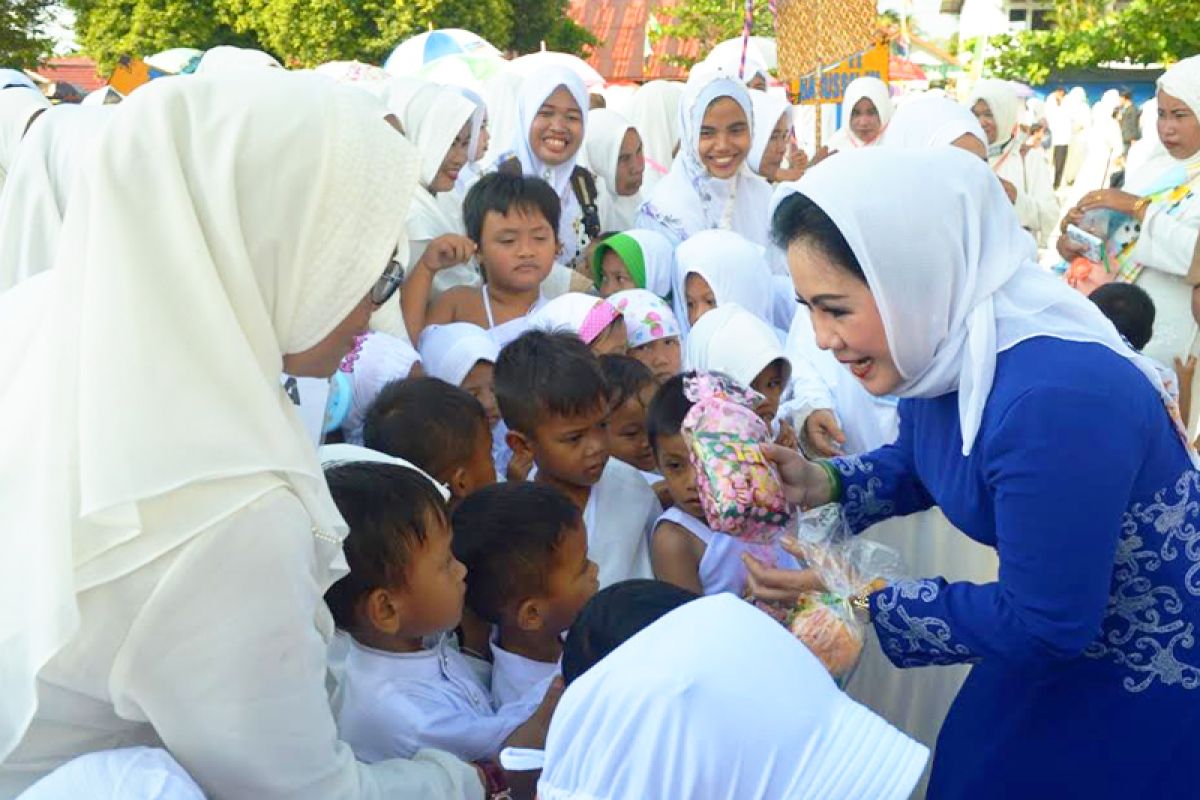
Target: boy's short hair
{"points": [[388, 508], [507, 535], [626, 377], [1129, 309], [430, 423], [547, 372], [667, 410], [501, 192]]}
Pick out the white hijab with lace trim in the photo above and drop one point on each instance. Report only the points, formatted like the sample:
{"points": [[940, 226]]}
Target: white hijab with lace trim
{"points": [[157, 341]]}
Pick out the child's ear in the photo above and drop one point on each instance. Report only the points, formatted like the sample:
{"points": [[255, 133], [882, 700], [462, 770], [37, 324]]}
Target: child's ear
{"points": [[383, 610], [459, 484], [519, 444], [529, 615]]}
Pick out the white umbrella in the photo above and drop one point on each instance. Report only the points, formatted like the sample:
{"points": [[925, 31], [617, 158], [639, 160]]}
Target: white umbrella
{"points": [[412, 54], [528, 65], [174, 60]]}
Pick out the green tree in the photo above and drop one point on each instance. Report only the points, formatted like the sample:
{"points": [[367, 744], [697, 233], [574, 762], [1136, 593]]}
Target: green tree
{"points": [[23, 38], [709, 22], [547, 21]]}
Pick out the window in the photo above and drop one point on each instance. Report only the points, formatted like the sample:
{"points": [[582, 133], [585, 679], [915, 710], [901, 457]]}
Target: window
{"points": [[1041, 19]]}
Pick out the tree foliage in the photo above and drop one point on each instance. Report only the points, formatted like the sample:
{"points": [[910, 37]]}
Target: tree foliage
{"points": [[23, 38], [709, 22], [1143, 32], [547, 21]]}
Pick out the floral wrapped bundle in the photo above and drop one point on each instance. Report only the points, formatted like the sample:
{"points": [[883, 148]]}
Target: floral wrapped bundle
{"points": [[739, 489]]}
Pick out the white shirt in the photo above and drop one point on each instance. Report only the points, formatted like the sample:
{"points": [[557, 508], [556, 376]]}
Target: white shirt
{"points": [[620, 513], [394, 704], [721, 568], [1058, 120], [517, 679], [217, 651]]}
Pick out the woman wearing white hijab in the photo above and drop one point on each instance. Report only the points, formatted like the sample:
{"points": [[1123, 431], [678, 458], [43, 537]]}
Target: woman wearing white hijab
{"points": [[710, 186], [480, 139], [713, 268], [615, 154], [1006, 377], [655, 114], [1153, 230], [935, 121], [552, 124], [39, 183], [19, 108], [166, 459], [772, 132], [866, 111], [716, 701], [1027, 176]]}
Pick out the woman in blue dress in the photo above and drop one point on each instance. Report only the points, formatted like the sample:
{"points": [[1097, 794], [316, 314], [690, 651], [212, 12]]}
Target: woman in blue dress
{"points": [[1038, 432]]}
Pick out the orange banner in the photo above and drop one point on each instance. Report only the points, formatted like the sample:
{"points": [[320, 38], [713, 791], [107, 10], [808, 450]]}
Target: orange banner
{"points": [[828, 85]]}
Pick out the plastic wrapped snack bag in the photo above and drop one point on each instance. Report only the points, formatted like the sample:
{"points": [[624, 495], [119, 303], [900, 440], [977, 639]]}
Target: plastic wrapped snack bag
{"points": [[739, 489], [847, 566]]}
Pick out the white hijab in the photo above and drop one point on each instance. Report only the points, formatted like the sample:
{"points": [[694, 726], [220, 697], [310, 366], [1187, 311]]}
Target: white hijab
{"points": [[571, 311], [952, 275], [768, 108], [655, 114], [449, 352], [1160, 169], [16, 79], [606, 132], [734, 342], [38, 185], [377, 359], [223, 222], [17, 108], [878, 93], [931, 121], [1001, 98], [715, 700], [689, 200], [227, 58], [735, 268]]}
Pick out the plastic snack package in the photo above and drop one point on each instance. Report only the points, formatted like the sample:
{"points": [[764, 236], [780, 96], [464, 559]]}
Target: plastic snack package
{"points": [[847, 566], [739, 489]]}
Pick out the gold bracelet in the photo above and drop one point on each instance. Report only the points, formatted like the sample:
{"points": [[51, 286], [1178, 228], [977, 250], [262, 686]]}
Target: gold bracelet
{"points": [[1139, 208]]}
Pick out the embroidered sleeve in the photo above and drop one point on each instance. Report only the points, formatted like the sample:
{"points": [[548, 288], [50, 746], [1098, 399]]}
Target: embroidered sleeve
{"points": [[881, 484]]}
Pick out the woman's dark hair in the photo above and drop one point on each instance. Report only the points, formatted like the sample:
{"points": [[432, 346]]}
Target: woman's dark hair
{"points": [[613, 616], [799, 218]]}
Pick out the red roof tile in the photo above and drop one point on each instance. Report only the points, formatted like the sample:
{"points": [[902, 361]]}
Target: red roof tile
{"points": [[620, 25], [78, 71]]}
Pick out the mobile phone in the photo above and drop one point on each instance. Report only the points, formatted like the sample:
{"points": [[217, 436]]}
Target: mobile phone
{"points": [[1094, 244]]}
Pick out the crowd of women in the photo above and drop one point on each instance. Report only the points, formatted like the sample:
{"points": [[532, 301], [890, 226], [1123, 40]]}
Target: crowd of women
{"points": [[181, 274]]}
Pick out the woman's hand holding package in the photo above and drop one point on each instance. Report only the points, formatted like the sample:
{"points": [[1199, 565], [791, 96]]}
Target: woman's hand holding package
{"points": [[805, 483]]}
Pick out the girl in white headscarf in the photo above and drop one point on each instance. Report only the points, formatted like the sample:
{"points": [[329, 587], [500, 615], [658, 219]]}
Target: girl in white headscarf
{"points": [[615, 154], [634, 259], [710, 186], [772, 133], [19, 107], [935, 121], [553, 119], [713, 268], [597, 322], [711, 684], [1027, 176], [1154, 223], [655, 114], [866, 111], [1006, 376], [480, 140], [227, 229], [38, 185]]}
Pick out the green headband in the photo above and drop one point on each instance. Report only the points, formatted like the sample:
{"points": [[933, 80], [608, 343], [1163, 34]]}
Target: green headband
{"points": [[628, 250]]}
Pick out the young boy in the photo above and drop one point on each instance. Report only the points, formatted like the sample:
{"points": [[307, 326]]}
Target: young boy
{"points": [[683, 549], [528, 574], [512, 230], [435, 426], [631, 387], [404, 584], [554, 400]]}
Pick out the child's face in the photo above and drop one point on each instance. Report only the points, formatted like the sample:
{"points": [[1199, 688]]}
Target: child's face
{"points": [[572, 449], [631, 164], [662, 356], [481, 469], [615, 275], [517, 249], [676, 468], [455, 160], [572, 580], [480, 383], [614, 340], [699, 296], [556, 132], [724, 138], [431, 599], [770, 383], [627, 439]]}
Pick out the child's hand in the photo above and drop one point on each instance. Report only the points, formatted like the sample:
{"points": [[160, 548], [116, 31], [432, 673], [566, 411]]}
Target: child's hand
{"points": [[447, 251], [1186, 370], [825, 437], [779, 585], [787, 436], [664, 494], [518, 467]]}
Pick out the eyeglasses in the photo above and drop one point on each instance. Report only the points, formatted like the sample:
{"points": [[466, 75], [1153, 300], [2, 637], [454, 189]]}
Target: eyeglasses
{"points": [[388, 282]]}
